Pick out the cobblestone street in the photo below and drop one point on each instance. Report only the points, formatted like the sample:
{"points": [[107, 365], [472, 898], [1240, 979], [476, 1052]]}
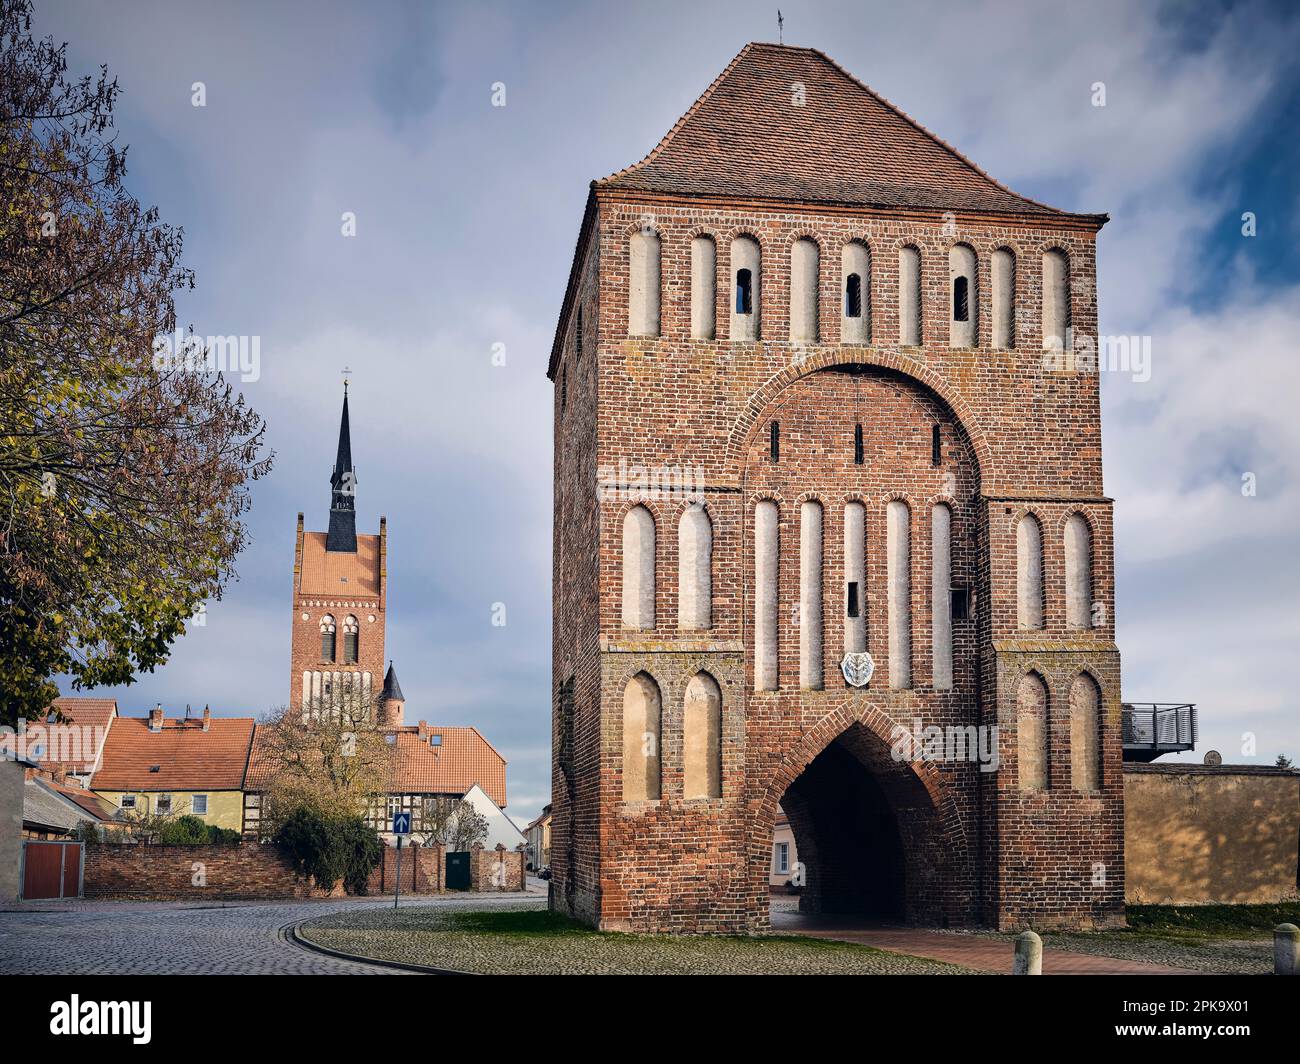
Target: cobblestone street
{"points": [[125, 938]]}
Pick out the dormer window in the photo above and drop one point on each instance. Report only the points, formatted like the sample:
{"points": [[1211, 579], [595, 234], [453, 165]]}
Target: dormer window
{"points": [[435, 740]]}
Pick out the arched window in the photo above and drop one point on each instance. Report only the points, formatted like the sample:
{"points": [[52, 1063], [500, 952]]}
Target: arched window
{"points": [[643, 284], [941, 595], [766, 537], [745, 269], [1056, 300], [811, 671], [351, 632], [1031, 733], [327, 638], [963, 328], [855, 268], [1003, 276], [855, 578], [642, 713], [695, 569], [638, 568], [1085, 734], [1029, 572], [704, 287], [805, 265], [909, 296], [1078, 572], [898, 576], [702, 738]]}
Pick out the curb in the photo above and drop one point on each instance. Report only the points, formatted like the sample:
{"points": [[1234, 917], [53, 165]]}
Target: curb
{"points": [[289, 933]]}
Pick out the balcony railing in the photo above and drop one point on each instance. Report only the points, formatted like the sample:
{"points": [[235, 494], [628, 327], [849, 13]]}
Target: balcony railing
{"points": [[1155, 728]]}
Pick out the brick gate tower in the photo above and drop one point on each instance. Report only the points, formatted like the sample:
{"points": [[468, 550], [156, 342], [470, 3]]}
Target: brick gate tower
{"points": [[340, 597], [830, 531]]}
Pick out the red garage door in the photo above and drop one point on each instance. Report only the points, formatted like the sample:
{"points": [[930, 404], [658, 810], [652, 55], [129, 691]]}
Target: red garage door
{"points": [[51, 869]]}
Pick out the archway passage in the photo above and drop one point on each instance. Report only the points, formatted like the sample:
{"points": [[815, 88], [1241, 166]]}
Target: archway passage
{"points": [[869, 840]]}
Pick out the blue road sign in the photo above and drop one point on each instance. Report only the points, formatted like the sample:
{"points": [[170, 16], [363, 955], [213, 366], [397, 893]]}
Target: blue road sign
{"points": [[401, 823]]}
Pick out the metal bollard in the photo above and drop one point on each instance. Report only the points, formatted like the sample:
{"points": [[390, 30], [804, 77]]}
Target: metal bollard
{"points": [[1029, 954], [1286, 949]]}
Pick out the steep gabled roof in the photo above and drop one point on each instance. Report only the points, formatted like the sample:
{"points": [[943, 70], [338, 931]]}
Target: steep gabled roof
{"points": [[746, 137], [187, 757]]}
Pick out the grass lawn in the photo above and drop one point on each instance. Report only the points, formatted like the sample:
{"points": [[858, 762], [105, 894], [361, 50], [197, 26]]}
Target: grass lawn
{"points": [[1209, 938], [536, 941]]}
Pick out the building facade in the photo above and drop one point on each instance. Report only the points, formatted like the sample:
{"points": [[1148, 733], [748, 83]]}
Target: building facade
{"points": [[830, 530]]}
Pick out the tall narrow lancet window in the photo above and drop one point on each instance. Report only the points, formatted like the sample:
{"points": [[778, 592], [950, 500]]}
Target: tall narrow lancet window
{"points": [[1031, 733], [351, 635], [1029, 572], [327, 638], [941, 595], [577, 336], [695, 569], [1056, 300], [855, 269], [1085, 734], [704, 287], [1078, 572], [642, 717], [811, 672], [805, 260], [909, 297], [898, 579], [963, 327], [643, 284], [766, 541], [745, 271], [702, 738], [855, 578], [638, 568], [1002, 273]]}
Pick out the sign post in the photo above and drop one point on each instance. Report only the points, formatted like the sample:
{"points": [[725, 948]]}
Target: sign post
{"points": [[401, 828]]}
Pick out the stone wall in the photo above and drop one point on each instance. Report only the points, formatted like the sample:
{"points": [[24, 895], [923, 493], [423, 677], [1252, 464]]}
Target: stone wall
{"points": [[499, 869], [1200, 835]]}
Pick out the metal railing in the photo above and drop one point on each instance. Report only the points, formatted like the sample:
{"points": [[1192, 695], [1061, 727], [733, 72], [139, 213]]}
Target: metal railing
{"points": [[1159, 727]]}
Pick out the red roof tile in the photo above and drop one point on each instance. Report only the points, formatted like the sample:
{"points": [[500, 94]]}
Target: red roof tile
{"points": [[845, 144], [188, 758]]}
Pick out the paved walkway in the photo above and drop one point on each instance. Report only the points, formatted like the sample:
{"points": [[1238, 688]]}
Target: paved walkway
{"points": [[144, 938], [985, 953]]}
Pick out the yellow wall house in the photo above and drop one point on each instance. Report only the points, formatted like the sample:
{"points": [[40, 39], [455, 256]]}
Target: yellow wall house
{"points": [[194, 765]]}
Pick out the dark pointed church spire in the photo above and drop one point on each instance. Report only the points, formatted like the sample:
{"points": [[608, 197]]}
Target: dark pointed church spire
{"points": [[342, 534]]}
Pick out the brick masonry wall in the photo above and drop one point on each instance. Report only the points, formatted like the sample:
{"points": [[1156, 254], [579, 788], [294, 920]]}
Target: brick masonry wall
{"points": [[423, 871], [247, 871], [498, 870], [1017, 435]]}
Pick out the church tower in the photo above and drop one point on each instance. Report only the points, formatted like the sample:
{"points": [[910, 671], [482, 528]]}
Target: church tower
{"points": [[339, 598], [829, 529]]}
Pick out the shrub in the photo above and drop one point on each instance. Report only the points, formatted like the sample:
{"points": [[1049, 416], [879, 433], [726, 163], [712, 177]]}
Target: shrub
{"points": [[187, 830], [328, 850]]}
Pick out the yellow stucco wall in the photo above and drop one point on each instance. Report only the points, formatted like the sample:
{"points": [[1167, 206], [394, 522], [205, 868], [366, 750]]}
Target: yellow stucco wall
{"points": [[1199, 836], [225, 808]]}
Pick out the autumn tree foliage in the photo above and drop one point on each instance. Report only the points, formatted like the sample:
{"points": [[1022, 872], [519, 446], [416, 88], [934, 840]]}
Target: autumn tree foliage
{"points": [[123, 478]]}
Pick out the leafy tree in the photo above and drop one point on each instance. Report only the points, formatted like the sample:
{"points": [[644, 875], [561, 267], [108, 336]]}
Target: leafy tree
{"points": [[453, 822], [330, 849], [363, 850], [1283, 761], [123, 477]]}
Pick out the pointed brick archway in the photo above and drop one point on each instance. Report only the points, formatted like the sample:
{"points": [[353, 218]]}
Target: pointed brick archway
{"points": [[877, 836]]}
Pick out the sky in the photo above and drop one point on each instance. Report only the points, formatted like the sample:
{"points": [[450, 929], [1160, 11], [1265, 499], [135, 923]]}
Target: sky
{"points": [[466, 216]]}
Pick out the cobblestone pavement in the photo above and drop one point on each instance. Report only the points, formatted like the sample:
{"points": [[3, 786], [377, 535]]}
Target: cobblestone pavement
{"points": [[125, 938]]}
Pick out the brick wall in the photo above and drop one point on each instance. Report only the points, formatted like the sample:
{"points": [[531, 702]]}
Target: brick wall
{"points": [[499, 869], [423, 871], [247, 871], [1017, 436]]}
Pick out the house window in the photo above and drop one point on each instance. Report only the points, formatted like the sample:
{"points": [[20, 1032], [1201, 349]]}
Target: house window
{"points": [[164, 804], [960, 603], [199, 805], [781, 857], [435, 740], [128, 801]]}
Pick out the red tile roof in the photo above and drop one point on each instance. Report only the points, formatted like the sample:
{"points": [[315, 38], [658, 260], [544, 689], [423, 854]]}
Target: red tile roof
{"points": [[339, 574], [91, 716], [188, 758], [845, 144], [463, 759]]}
